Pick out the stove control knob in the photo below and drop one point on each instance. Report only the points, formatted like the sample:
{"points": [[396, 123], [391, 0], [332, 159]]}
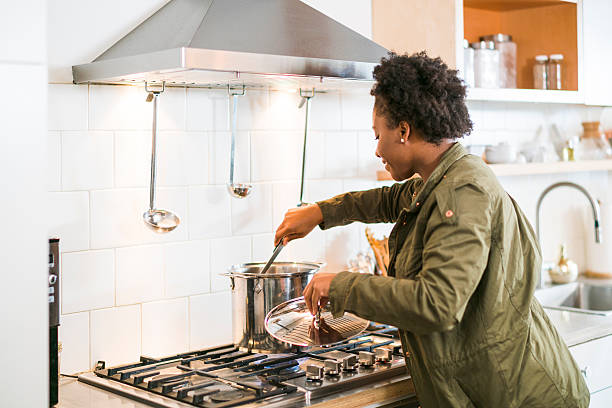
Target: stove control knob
{"points": [[314, 372], [366, 359], [332, 367], [350, 363], [383, 355]]}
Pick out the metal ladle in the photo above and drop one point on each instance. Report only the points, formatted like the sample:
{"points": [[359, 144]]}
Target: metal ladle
{"points": [[305, 101], [238, 190], [158, 220]]}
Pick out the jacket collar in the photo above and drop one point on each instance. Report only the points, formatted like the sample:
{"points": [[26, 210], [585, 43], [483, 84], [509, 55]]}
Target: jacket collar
{"points": [[449, 157]]}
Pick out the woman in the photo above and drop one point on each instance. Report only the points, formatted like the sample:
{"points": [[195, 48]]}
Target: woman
{"points": [[464, 260]]}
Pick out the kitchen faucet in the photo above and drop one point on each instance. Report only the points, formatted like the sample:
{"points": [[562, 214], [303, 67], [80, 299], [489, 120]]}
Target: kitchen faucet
{"points": [[594, 208]]}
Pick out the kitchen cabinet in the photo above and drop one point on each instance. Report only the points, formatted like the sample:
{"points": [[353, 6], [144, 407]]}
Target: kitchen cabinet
{"points": [[597, 51], [594, 360], [601, 399], [537, 26]]}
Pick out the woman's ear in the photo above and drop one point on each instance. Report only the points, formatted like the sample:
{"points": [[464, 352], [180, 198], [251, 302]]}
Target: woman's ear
{"points": [[404, 129]]}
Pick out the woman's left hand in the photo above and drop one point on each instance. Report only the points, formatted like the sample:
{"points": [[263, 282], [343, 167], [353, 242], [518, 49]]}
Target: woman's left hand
{"points": [[317, 292]]}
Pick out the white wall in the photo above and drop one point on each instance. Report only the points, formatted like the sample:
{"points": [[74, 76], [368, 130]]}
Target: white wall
{"points": [[128, 291], [23, 248]]}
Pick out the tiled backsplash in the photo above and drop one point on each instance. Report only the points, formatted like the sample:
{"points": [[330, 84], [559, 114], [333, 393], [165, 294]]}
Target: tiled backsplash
{"points": [[128, 291]]}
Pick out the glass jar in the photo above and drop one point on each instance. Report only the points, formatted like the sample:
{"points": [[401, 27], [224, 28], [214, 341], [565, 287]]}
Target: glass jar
{"points": [[553, 71], [592, 145], [468, 64], [540, 76], [486, 64], [507, 58]]}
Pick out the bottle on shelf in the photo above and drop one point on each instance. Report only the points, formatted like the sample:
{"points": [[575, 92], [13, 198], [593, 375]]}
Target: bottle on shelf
{"points": [[486, 64], [468, 64], [553, 71], [507, 58], [593, 144], [540, 75]]}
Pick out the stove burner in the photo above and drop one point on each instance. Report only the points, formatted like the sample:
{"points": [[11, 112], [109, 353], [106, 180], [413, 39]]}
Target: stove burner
{"points": [[223, 376], [225, 396]]}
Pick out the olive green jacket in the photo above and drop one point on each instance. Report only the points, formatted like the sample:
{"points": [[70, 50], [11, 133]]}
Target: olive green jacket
{"points": [[464, 263]]}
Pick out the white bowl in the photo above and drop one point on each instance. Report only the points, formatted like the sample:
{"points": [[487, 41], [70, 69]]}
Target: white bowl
{"points": [[502, 153]]}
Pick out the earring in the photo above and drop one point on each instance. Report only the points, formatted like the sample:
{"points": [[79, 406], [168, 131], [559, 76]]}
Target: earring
{"points": [[402, 140]]}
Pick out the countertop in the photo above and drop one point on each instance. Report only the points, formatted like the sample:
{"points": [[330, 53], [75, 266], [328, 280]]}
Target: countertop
{"points": [[576, 328]]}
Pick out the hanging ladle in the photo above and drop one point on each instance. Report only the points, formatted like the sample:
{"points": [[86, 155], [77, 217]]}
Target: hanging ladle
{"points": [[238, 190], [304, 101], [158, 220]]}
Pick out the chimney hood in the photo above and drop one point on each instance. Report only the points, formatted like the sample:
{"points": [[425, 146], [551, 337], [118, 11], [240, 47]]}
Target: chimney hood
{"points": [[256, 43]]}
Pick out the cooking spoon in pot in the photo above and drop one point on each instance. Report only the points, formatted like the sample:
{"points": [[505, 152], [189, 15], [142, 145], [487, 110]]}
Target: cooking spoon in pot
{"points": [[277, 250], [158, 220]]}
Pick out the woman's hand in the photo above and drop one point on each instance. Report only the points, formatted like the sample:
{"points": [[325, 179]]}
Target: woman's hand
{"points": [[298, 223], [317, 292]]}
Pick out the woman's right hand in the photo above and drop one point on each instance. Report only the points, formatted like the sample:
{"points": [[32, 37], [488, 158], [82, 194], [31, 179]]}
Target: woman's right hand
{"points": [[298, 223]]}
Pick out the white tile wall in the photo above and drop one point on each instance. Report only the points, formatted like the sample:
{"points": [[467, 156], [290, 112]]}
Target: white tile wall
{"points": [[253, 215], [357, 110], [116, 216], [187, 268], [341, 155], [119, 274], [367, 162], [219, 160], [210, 212], [182, 159], [115, 335], [276, 155], [69, 219], [119, 108], [88, 280], [206, 110], [227, 252], [211, 320], [158, 320], [140, 274], [68, 107], [87, 160], [74, 336]]}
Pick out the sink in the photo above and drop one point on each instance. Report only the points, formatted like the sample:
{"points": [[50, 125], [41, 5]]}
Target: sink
{"points": [[578, 297]]}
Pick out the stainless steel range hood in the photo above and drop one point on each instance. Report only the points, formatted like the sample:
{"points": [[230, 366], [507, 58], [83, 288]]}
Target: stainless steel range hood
{"points": [[258, 43]]}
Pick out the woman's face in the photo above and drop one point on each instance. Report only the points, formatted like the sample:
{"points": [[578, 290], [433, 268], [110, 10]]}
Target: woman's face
{"points": [[395, 154]]}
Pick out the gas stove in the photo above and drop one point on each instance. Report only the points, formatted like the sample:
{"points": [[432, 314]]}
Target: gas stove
{"points": [[226, 376]]}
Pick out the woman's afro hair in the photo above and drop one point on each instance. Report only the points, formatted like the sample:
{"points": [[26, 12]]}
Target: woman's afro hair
{"points": [[425, 93]]}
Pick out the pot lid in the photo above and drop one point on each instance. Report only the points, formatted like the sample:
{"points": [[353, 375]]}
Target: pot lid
{"points": [[292, 323], [212, 43]]}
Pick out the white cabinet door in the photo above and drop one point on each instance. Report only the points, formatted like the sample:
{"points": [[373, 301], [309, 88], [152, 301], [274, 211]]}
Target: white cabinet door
{"points": [[594, 360], [601, 399], [597, 41]]}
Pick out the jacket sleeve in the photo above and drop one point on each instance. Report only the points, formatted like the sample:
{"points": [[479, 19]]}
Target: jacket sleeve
{"points": [[455, 254], [371, 206]]}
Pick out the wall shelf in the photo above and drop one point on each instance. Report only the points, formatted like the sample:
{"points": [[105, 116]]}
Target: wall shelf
{"points": [[524, 95], [528, 169], [550, 168]]}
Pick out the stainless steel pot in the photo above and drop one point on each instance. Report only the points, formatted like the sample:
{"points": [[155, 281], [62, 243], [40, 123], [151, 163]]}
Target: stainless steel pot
{"points": [[254, 295]]}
